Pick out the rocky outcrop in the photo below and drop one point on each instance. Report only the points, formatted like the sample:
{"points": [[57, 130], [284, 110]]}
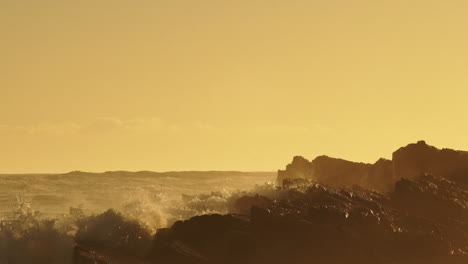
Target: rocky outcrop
{"points": [[407, 162], [432, 197], [299, 168], [326, 170], [319, 224], [380, 176], [336, 172], [205, 239], [416, 159], [423, 220]]}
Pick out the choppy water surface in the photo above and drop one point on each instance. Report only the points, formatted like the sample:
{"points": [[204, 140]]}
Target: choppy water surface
{"points": [[154, 198], [42, 215]]}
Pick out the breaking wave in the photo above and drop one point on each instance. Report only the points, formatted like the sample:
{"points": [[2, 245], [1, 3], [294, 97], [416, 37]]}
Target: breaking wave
{"points": [[29, 235]]}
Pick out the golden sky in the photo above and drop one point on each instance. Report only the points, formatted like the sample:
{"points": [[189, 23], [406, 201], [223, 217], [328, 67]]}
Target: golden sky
{"points": [[210, 84]]}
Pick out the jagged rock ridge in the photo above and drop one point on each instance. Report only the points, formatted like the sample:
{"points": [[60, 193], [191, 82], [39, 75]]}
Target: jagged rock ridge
{"points": [[407, 162]]}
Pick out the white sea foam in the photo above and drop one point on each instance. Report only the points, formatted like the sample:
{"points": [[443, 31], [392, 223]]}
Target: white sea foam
{"points": [[42, 215]]}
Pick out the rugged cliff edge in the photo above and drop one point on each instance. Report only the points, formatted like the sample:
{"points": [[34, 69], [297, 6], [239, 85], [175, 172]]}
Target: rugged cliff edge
{"points": [[414, 159], [407, 162]]}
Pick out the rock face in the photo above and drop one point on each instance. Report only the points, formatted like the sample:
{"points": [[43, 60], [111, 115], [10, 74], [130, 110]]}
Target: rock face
{"points": [[298, 168], [339, 172], [407, 162], [433, 198], [336, 172], [204, 239], [319, 224], [415, 159], [326, 170], [380, 176]]}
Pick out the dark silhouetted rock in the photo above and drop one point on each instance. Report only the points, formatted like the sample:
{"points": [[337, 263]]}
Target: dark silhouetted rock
{"points": [[380, 176], [432, 197], [407, 162], [244, 204], [336, 172], [319, 224], [415, 159], [205, 239], [299, 168]]}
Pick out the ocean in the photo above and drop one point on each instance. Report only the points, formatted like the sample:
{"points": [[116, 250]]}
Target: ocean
{"points": [[157, 199], [40, 214]]}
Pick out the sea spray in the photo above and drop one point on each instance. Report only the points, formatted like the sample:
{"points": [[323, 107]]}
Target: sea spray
{"points": [[28, 235]]}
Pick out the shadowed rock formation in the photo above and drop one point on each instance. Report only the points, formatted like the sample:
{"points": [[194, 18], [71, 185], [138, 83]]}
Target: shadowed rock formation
{"points": [[423, 221], [407, 162], [298, 168], [414, 159], [336, 172], [380, 176]]}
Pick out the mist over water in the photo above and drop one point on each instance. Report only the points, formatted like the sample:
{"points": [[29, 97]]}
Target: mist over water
{"points": [[161, 197], [41, 215]]}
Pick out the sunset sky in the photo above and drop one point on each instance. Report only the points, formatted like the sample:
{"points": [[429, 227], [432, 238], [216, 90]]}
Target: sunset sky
{"points": [[227, 85]]}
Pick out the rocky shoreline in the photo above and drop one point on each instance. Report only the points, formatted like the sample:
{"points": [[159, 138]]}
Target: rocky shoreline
{"points": [[323, 216]]}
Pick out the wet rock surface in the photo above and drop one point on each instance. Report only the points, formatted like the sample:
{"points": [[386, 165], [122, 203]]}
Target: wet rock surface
{"points": [[423, 221], [316, 216]]}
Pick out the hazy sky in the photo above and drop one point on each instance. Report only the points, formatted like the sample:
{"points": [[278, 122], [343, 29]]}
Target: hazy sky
{"points": [[223, 84]]}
